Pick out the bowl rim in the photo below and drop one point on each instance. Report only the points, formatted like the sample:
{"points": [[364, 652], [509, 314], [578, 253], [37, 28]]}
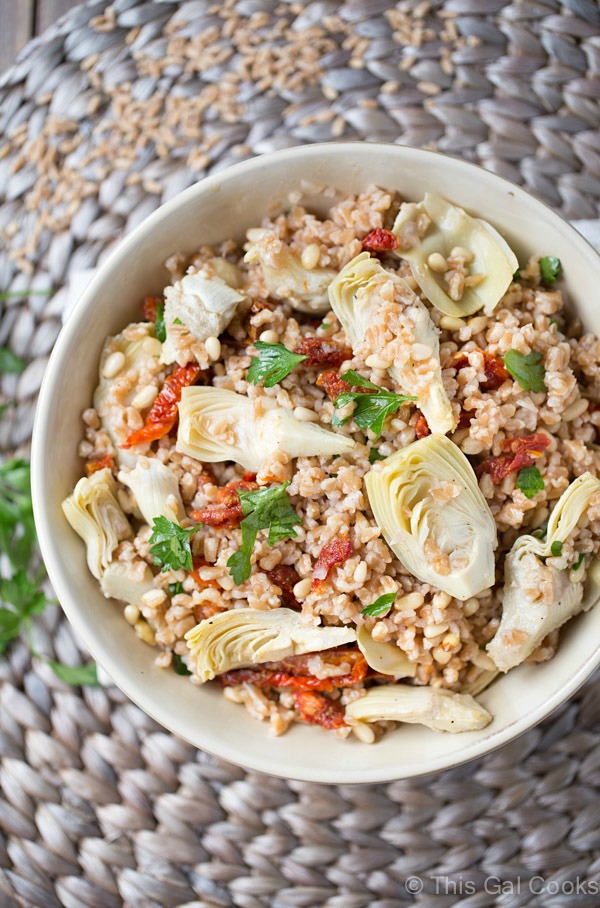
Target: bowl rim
{"points": [[118, 673]]}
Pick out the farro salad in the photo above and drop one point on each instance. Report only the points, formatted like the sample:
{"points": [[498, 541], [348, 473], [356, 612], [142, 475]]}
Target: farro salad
{"points": [[347, 469]]}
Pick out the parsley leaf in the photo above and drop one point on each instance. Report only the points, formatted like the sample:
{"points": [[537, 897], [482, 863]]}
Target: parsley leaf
{"points": [[273, 363], [530, 481], [263, 509], [177, 321], [374, 455], [550, 268], [159, 325], [373, 407], [180, 666], [76, 675], [17, 529], [175, 589], [380, 606], [556, 548], [171, 544], [10, 362], [528, 370], [579, 561]]}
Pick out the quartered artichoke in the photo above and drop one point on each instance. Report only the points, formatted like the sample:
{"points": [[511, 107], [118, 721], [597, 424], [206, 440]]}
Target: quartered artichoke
{"points": [[539, 598], [286, 278], [155, 488], [386, 658], [204, 304], [379, 312], [244, 637], [451, 227], [217, 425], [141, 369], [433, 516], [439, 709], [94, 513], [127, 581]]}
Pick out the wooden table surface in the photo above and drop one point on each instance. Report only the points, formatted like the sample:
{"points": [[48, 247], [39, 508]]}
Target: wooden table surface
{"points": [[20, 20]]}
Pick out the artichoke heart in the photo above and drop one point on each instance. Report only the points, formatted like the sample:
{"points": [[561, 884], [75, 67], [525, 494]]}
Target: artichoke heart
{"points": [[138, 370], [439, 709], [203, 303], [493, 261], [433, 516], [216, 425], [127, 581], [285, 276], [539, 597], [155, 488], [386, 658], [244, 637], [94, 513], [381, 315]]}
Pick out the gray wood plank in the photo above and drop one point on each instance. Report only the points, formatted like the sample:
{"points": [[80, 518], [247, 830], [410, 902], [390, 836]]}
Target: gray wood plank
{"points": [[48, 11], [17, 18]]}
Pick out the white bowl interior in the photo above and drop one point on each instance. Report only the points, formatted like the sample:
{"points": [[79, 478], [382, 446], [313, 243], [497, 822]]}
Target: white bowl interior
{"points": [[222, 206]]}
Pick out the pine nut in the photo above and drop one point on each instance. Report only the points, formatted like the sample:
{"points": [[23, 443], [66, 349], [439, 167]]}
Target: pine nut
{"points": [[269, 337], [420, 352], [212, 345], [113, 365], [450, 641], [470, 607], [310, 256], [302, 588], [450, 323], [303, 414], [437, 262], [459, 252], [434, 630], [152, 346], [131, 614], [145, 397], [411, 600], [145, 632], [363, 732], [577, 408], [360, 574], [478, 324], [440, 655], [377, 362]]}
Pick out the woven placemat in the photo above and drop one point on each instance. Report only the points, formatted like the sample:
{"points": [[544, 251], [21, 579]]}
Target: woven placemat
{"points": [[108, 114]]}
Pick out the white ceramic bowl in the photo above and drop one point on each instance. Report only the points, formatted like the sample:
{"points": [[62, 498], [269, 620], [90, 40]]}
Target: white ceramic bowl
{"points": [[226, 205]]}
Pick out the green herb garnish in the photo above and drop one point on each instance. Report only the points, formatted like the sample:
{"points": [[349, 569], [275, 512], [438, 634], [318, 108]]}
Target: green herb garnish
{"points": [[373, 407], [530, 481], [159, 324], [380, 606], [273, 363], [174, 589], [10, 362], [550, 268], [79, 675], [528, 370], [554, 321], [556, 548], [374, 455], [579, 561], [177, 321], [325, 325], [264, 509], [517, 275], [180, 666], [171, 544]]}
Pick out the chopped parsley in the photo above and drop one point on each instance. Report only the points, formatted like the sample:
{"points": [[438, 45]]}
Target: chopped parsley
{"points": [[372, 407], [180, 666], [174, 589], [76, 675], [10, 362], [556, 548], [263, 509], [325, 325], [579, 561], [380, 606], [517, 275], [528, 369], [530, 481], [273, 363], [550, 268], [177, 321], [159, 324], [171, 544], [374, 455]]}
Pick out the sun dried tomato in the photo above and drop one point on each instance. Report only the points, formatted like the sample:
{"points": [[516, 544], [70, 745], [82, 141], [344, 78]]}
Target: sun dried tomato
{"points": [[198, 563], [335, 552], [227, 512], [496, 372], [422, 427], [150, 304], [317, 709], [464, 420], [286, 577], [380, 240], [517, 453], [332, 384], [92, 466], [163, 415], [322, 353], [294, 672]]}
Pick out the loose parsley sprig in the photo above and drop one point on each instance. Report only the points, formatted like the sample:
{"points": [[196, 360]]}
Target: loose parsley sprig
{"points": [[170, 545], [530, 481], [381, 605], [10, 362], [550, 269], [263, 509], [273, 363], [528, 369], [556, 548], [373, 406], [160, 328]]}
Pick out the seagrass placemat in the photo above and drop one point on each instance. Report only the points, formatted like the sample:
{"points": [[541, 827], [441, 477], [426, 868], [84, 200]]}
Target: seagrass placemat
{"points": [[111, 112]]}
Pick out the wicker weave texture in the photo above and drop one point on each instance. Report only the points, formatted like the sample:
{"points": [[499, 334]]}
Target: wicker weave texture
{"points": [[108, 114]]}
